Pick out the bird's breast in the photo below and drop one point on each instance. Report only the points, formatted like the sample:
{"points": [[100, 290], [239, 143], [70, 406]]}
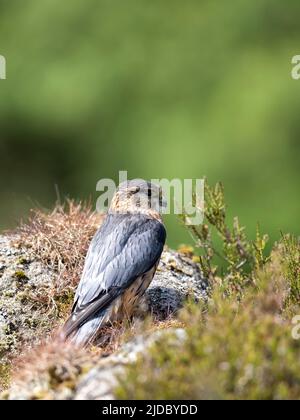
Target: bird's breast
{"points": [[129, 300]]}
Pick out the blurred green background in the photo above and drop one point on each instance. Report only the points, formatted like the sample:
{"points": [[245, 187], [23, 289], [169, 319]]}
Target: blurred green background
{"points": [[161, 88]]}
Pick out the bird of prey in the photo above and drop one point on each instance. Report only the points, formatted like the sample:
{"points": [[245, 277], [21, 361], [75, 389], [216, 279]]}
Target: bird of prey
{"points": [[121, 261]]}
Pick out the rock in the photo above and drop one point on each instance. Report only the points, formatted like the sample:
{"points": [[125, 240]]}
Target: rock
{"points": [[20, 316], [176, 279], [100, 382]]}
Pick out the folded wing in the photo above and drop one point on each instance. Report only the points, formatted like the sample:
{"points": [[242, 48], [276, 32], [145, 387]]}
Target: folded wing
{"points": [[124, 248]]}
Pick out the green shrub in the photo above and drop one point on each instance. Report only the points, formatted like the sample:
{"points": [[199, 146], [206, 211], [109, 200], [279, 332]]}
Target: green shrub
{"points": [[233, 350], [231, 264], [291, 261]]}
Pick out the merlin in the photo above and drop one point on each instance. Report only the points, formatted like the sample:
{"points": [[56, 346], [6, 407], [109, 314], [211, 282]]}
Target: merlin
{"points": [[121, 261]]}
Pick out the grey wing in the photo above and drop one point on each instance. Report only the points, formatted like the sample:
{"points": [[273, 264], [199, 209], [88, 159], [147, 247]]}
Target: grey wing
{"points": [[124, 248]]}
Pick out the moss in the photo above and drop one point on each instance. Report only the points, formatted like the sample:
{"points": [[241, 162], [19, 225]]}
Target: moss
{"points": [[5, 370], [21, 276], [186, 250], [9, 294], [64, 303], [23, 297], [7, 342], [31, 322], [22, 261]]}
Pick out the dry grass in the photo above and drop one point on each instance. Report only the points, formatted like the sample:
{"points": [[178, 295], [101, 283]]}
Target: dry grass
{"points": [[158, 325], [60, 240], [112, 337], [50, 366]]}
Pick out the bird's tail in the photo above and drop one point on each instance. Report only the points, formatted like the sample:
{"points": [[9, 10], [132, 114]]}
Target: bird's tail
{"points": [[82, 326], [85, 333], [88, 331]]}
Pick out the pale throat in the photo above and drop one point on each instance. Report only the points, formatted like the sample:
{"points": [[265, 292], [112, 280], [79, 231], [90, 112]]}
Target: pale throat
{"points": [[129, 206]]}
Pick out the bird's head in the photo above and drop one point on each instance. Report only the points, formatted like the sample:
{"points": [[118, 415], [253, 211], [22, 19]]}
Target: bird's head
{"points": [[138, 196]]}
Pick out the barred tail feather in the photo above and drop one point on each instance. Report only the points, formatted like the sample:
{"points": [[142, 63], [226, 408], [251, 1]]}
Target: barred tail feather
{"points": [[86, 322], [86, 333]]}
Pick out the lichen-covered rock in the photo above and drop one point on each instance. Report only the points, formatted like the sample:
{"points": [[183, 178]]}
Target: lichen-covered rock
{"points": [[22, 318]]}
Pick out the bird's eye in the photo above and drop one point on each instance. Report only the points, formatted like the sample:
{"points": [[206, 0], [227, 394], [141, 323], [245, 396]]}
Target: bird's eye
{"points": [[133, 190]]}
